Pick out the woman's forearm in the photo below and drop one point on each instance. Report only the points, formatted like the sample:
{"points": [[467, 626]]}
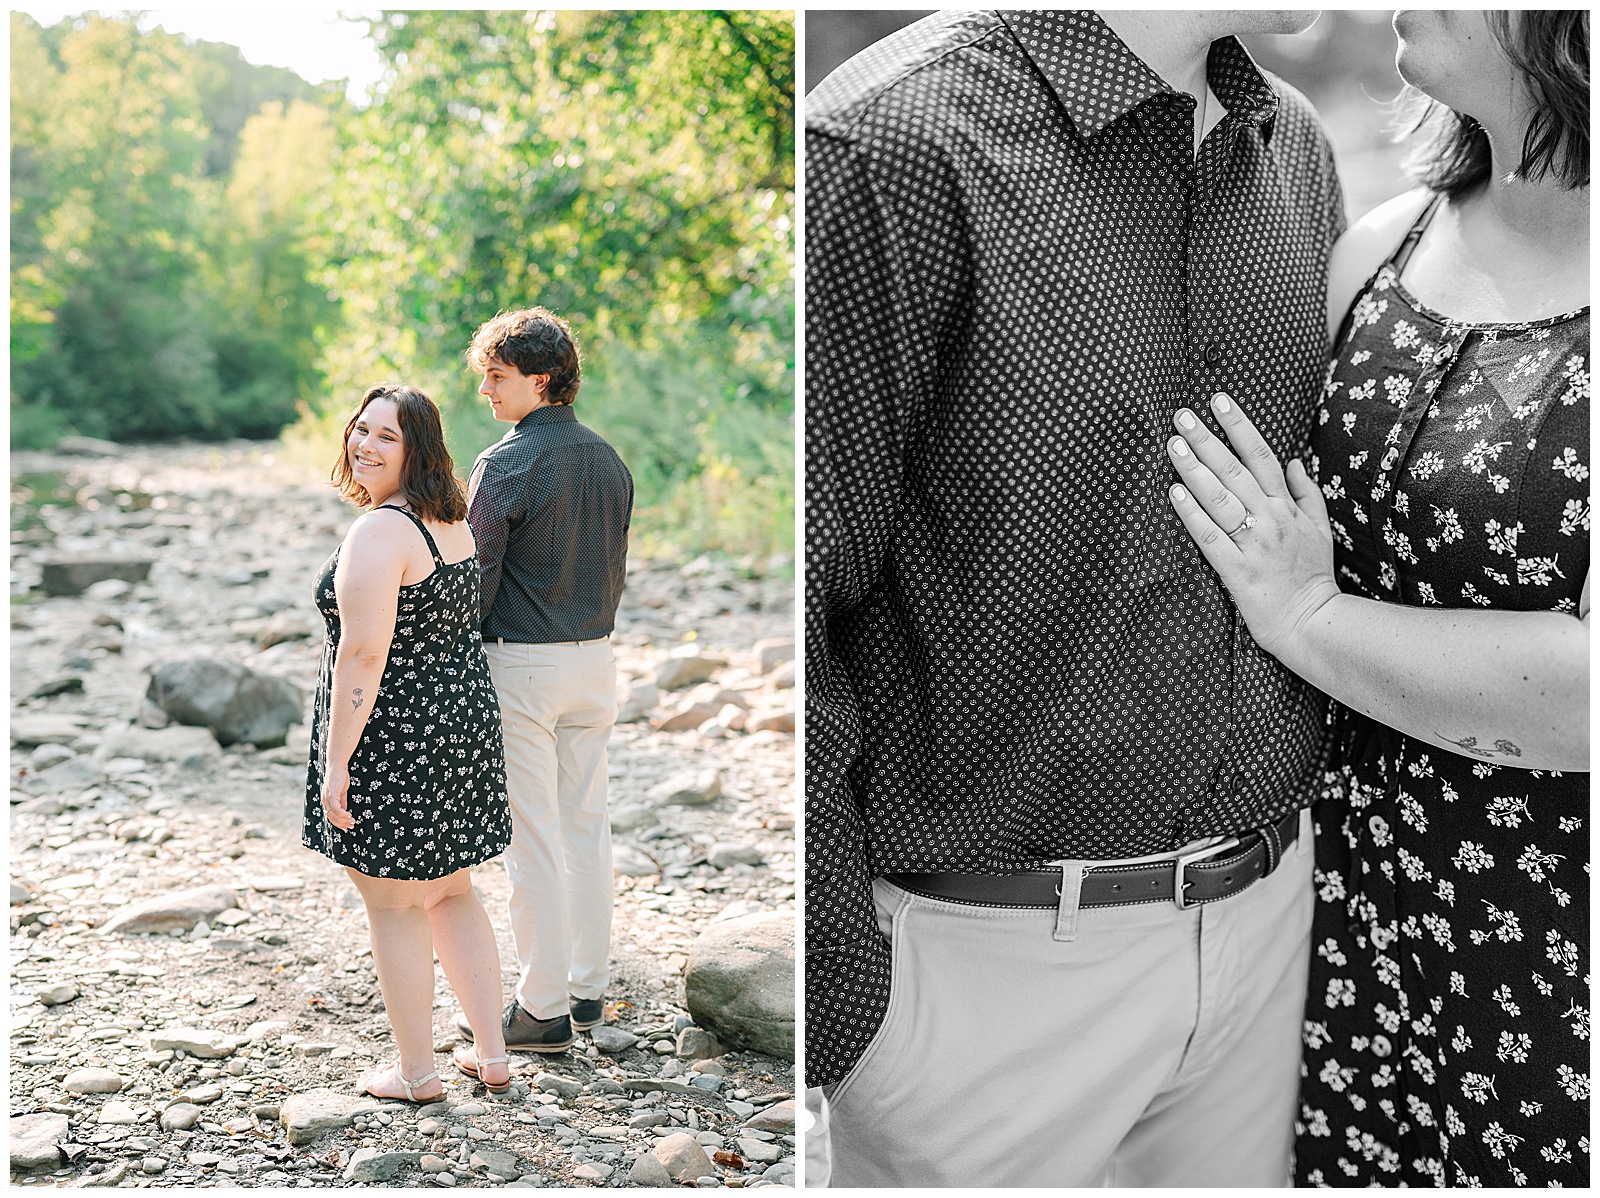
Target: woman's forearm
{"points": [[1511, 688], [357, 670]]}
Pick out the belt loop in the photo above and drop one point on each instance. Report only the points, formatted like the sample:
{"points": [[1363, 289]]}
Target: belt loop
{"points": [[1067, 911], [501, 641], [1274, 844]]}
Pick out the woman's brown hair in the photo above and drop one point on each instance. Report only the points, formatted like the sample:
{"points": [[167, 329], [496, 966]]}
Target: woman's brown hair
{"points": [[1551, 49], [427, 475]]}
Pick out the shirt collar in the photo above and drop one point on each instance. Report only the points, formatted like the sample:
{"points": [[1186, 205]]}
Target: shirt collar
{"points": [[551, 413], [1098, 79]]}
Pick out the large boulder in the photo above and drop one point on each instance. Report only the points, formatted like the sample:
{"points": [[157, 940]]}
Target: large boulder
{"points": [[178, 911], [74, 573], [36, 1140], [234, 701], [740, 982]]}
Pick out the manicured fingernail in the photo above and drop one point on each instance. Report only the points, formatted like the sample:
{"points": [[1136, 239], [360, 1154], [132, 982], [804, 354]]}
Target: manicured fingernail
{"points": [[1185, 418], [1221, 402], [1180, 447], [1179, 493]]}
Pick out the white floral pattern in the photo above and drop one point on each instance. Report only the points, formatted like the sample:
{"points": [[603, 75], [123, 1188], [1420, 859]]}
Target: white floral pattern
{"points": [[1447, 1022], [428, 777]]}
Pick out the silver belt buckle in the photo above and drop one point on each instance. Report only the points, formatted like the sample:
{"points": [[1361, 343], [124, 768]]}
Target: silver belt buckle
{"points": [[1179, 886]]}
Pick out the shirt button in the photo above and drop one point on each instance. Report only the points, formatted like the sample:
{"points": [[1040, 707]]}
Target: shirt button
{"points": [[1381, 1046], [1442, 355], [1213, 354]]}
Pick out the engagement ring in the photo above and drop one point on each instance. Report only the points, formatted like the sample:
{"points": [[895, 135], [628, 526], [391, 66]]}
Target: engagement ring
{"points": [[1249, 522]]}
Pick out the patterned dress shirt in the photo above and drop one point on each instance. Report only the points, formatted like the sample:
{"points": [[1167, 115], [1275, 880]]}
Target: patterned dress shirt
{"points": [[1017, 269], [550, 504]]}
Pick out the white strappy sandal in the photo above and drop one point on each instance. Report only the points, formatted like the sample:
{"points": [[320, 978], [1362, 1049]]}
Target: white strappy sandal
{"points": [[410, 1085], [472, 1070]]}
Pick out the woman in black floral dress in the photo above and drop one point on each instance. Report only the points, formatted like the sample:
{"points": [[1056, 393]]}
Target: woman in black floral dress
{"points": [[1431, 574], [406, 787]]}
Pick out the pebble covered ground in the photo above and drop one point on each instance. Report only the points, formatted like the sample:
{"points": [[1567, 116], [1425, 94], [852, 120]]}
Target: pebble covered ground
{"points": [[196, 1056]]}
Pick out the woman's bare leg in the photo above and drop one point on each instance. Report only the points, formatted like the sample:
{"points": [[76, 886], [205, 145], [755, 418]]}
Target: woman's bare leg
{"points": [[402, 950], [464, 940]]}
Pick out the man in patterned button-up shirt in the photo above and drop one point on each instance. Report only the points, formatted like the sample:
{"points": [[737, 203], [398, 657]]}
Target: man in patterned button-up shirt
{"points": [[1031, 239], [550, 505]]}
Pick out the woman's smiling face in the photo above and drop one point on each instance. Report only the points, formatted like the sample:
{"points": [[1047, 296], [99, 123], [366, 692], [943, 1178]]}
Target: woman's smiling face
{"points": [[376, 448]]}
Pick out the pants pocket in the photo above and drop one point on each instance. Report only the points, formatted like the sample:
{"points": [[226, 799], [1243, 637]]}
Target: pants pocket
{"points": [[890, 904]]}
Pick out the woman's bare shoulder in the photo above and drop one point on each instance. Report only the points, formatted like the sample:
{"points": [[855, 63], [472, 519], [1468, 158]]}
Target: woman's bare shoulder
{"points": [[381, 535], [1363, 248]]}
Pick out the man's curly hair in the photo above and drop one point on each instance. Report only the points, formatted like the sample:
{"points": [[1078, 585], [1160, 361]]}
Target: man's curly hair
{"points": [[535, 341]]}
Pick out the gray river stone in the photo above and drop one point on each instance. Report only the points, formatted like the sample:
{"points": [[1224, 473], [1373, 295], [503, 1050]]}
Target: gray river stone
{"points": [[371, 1164], [74, 573], [739, 983], [234, 701], [683, 1157], [178, 911], [306, 1116], [36, 1139]]}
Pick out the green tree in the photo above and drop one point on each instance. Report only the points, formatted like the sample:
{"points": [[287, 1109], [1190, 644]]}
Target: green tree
{"points": [[266, 244], [632, 171], [162, 242], [108, 224], [232, 91]]}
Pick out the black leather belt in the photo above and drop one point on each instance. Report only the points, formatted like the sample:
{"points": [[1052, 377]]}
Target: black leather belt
{"points": [[1207, 875]]}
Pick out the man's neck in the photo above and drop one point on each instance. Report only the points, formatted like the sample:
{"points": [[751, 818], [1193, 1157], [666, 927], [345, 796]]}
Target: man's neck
{"points": [[1172, 44]]}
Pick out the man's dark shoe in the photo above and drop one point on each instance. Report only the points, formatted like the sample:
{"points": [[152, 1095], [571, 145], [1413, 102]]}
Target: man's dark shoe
{"points": [[586, 1012], [524, 1033]]}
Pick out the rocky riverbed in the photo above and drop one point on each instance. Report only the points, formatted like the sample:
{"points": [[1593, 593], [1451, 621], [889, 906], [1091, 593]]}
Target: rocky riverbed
{"points": [[192, 994]]}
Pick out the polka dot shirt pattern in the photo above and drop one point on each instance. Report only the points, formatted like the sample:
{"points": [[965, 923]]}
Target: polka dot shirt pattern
{"points": [[550, 504], [1017, 270]]}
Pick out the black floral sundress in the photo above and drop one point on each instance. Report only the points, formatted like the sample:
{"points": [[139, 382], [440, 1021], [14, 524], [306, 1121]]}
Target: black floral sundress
{"points": [[428, 777], [1447, 1022]]}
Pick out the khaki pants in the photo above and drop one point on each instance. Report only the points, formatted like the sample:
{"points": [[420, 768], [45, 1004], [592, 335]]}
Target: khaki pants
{"points": [[557, 705], [1159, 1047]]}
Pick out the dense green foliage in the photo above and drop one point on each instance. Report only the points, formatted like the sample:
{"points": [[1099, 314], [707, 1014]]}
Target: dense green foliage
{"points": [[124, 238], [201, 248]]}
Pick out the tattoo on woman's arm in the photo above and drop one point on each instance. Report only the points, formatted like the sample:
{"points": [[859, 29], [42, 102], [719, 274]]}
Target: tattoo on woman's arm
{"points": [[356, 701], [1502, 748]]}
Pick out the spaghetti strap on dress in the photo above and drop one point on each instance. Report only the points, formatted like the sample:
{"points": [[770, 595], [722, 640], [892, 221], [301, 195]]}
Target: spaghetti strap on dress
{"points": [[427, 779]]}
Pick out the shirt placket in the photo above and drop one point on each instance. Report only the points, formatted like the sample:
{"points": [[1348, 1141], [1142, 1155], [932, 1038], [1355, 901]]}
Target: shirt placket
{"points": [[1436, 360], [1168, 122]]}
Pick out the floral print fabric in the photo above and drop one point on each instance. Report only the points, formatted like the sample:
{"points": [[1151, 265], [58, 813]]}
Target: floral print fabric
{"points": [[1447, 1023], [428, 777]]}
